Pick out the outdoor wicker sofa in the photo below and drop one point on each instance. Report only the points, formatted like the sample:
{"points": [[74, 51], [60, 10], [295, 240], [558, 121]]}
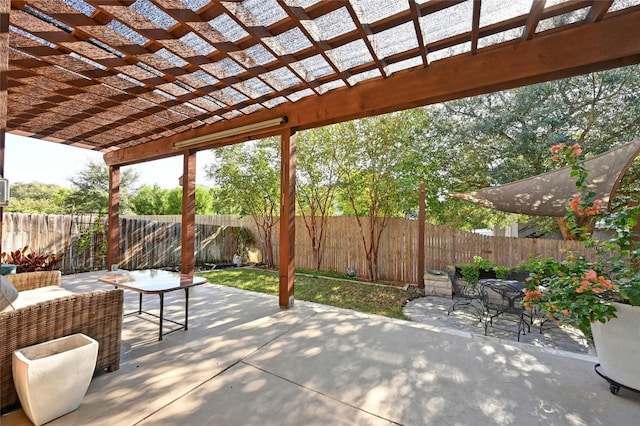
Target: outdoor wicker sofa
{"points": [[97, 314]]}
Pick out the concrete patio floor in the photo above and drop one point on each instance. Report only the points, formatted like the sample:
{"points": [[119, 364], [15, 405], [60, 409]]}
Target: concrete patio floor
{"points": [[244, 361]]}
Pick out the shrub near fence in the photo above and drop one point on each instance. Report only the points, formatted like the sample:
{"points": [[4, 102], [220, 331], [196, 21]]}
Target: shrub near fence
{"points": [[154, 241]]}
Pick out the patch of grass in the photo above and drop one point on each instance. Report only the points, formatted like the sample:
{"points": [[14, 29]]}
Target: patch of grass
{"points": [[362, 297]]}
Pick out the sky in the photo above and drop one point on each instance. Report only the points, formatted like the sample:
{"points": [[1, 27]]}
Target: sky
{"points": [[31, 160]]}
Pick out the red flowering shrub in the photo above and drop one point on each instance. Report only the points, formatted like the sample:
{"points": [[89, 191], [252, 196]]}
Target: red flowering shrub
{"points": [[28, 261], [578, 291]]}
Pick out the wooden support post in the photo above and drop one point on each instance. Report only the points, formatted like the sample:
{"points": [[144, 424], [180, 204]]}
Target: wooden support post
{"points": [[5, 7], [421, 218], [2, 136], [287, 218], [113, 221], [188, 213]]}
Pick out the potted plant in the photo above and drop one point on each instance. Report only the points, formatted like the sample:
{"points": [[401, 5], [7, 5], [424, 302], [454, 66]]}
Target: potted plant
{"points": [[597, 291]]}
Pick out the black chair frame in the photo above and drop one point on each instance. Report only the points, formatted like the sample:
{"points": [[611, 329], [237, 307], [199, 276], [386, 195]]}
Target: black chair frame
{"points": [[510, 302], [465, 294]]}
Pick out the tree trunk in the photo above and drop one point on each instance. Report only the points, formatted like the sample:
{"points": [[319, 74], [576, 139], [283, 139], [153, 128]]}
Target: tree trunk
{"points": [[564, 230], [268, 248], [265, 231], [586, 222]]}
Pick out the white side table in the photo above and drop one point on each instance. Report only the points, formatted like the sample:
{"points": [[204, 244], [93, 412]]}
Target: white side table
{"points": [[51, 378]]}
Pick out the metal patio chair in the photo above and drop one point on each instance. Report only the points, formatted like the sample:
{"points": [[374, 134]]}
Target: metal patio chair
{"points": [[509, 302], [465, 294]]}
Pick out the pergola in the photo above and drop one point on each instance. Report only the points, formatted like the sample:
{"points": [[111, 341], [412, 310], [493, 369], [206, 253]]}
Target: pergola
{"points": [[148, 79]]}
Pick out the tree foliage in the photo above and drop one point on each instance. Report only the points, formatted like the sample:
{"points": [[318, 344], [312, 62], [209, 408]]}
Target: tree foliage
{"points": [[379, 169], [149, 200], [153, 200], [90, 189], [37, 198], [317, 183], [248, 176]]}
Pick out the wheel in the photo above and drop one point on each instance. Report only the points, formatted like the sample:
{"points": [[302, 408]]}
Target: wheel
{"points": [[614, 388]]}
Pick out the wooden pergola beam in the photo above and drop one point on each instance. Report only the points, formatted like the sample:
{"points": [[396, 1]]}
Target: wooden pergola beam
{"points": [[605, 44], [534, 18]]}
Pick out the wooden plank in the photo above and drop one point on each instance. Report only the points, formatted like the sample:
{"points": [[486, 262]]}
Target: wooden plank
{"points": [[421, 228], [4, 69]]}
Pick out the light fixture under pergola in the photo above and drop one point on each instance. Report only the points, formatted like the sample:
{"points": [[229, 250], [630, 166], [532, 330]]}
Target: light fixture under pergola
{"points": [[236, 131]]}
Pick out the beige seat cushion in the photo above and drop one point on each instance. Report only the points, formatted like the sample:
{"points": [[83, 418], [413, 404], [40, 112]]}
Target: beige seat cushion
{"points": [[31, 297]]}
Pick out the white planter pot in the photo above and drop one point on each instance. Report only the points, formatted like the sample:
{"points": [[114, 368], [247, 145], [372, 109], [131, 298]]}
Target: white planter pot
{"points": [[51, 378], [617, 344]]}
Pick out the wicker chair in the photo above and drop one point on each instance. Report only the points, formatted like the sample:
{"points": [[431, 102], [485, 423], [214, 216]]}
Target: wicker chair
{"points": [[465, 294], [97, 314]]}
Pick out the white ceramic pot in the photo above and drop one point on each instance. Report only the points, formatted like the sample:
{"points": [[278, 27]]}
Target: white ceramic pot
{"points": [[617, 344], [51, 378]]}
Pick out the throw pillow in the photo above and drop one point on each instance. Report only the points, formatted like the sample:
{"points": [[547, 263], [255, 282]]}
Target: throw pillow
{"points": [[8, 294]]}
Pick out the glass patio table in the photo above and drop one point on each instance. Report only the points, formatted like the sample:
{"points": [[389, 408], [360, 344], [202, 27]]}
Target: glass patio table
{"points": [[153, 281]]}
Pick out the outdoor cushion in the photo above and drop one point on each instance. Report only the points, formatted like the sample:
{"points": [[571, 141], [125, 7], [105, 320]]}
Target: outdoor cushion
{"points": [[42, 294], [8, 294]]}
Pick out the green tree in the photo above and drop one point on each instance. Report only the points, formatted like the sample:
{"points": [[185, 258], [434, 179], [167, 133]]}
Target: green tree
{"points": [[149, 200], [37, 198], [248, 178], [174, 201], [379, 171], [90, 189], [204, 201], [219, 204], [153, 200], [317, 183], [505, 136]]}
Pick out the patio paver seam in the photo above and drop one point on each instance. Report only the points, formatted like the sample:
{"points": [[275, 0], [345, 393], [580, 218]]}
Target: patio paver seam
{"points": [[224, 370], [317, 392]]}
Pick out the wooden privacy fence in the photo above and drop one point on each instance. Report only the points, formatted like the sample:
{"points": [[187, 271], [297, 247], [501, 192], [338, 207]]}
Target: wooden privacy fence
{"points": [[63, 235], [81, 240], [398, 255], [154, 241]]}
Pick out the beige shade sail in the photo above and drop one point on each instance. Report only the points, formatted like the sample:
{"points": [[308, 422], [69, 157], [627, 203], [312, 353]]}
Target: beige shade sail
{"points": [[548, 194]]}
